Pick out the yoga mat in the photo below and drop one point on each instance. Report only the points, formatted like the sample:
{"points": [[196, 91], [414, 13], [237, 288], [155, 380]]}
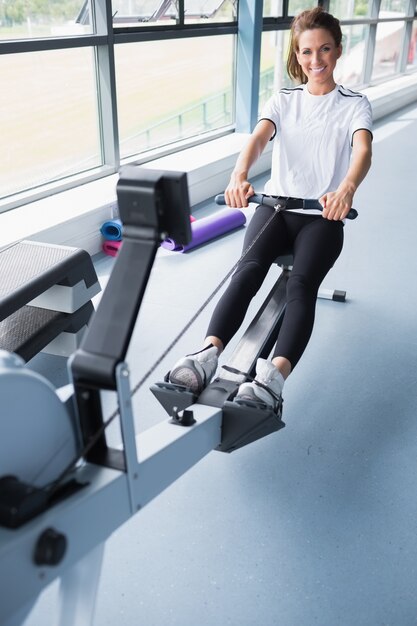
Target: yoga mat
{"points": [[111, 247], [112, 230], [207, 228]]}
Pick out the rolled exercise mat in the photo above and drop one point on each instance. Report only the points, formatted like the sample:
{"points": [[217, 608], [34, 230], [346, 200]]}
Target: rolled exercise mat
{"points": [[112, 230], [111, 247], [208, 228]]}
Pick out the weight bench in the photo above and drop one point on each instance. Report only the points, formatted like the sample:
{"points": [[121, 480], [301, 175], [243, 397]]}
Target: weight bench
{"points": [[45, 298]]}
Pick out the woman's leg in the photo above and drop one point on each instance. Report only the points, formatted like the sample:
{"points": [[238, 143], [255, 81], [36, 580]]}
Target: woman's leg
{"points": [[248, 276], [318, 243], [196, 370], [316, 248]]}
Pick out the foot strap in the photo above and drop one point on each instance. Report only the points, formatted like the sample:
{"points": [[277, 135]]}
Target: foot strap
{"points": [[250, 379]]}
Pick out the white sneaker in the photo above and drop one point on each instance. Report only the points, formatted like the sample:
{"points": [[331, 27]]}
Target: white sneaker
{"points": [[266, 387], [195, 371]]}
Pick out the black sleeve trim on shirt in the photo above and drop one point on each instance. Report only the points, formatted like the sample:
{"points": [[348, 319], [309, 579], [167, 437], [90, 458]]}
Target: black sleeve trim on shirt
{"points": [[355, 131], [350, 95], [288, 90], [269, 120]]}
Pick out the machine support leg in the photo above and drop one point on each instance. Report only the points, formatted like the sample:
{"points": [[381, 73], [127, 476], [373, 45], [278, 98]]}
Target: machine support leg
{"points": [[78, 590], [19, 618]]}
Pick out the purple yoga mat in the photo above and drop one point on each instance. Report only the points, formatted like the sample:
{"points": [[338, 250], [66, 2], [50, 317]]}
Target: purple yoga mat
{"points": [[208, 228]]}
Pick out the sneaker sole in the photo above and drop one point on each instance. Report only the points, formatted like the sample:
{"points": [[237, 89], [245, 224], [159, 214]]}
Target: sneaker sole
{"points": [[250, 396], [187, 378]]}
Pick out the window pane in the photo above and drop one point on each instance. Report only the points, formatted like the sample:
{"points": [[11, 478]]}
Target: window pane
{"points": [[173, 89], [143, 12], [202, 11], [393, 8], [272, 8], [346, 9], [48, 117], [349, 67], [296, 6], [389, 39], [49, 18], [157, 12], [273, 64], [412, 50]]}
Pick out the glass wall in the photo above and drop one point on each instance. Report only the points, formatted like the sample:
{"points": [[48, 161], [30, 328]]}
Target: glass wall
{"points": [[275, 8], [87, 84], [273, 73], [146, 12], [48, 117], [388, 48], [24, 19], [272, 8], [350, 67], [412, 49], [158, 106], [350, 9]]}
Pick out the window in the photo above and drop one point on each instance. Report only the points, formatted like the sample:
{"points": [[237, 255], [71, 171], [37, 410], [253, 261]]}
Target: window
{"points": [[273, 74], [275, 8], [76, 99], [199, 11], [412, 49], [23, 19], [156, 106], [296, 6], [48, 117], [350, 66], [388, 46], [272, 8], [166, 12], [393, 8], [348, 9]]}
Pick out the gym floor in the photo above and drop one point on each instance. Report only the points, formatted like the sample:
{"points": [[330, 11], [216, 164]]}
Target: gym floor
{"points": [[315, 524]]}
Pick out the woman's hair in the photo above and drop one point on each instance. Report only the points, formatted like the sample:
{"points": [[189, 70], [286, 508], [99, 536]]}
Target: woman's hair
{"points": [[307, 20]]}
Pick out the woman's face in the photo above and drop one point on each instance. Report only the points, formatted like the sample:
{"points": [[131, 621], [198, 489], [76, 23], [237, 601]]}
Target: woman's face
{"points": [[317, 54]]}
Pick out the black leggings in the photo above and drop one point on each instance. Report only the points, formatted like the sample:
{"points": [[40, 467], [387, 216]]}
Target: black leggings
{"points": [[316, 243]]}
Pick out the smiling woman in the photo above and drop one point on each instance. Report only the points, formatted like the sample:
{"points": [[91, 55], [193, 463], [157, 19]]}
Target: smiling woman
{"points": [[315, 47], [322, 150], [317, 55]]}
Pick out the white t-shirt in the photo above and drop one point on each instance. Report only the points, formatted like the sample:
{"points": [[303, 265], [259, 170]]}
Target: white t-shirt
{"points": [[313, 139]]}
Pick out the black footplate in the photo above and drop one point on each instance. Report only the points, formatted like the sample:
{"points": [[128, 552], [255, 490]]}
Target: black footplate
{"points": [[243, 422], [173, 396]]}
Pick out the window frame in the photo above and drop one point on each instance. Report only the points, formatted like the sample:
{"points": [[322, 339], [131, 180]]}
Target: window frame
{"points": [[248, 29]]}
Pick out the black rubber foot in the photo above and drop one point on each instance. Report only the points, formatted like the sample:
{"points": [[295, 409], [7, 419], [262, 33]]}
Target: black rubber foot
{"points": [[339, 296]]}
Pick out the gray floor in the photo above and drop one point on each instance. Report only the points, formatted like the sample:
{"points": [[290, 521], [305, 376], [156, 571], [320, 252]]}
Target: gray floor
{"points": [[317, 523]]}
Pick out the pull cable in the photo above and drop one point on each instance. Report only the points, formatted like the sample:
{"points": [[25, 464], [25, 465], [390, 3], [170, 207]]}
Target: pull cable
{"points": [[277, 209], [54, 486]]}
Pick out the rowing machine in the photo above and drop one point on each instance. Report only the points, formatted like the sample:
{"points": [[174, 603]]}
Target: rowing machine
{"points": [[244, 422]]}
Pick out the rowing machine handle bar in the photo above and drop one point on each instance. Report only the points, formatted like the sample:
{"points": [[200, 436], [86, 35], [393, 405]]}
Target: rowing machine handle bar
{"points": [[260, 198]]}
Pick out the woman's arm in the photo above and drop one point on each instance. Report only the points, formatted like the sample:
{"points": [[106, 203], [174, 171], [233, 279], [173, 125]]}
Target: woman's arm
{"points": [[336, 204], [239, 189]]}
